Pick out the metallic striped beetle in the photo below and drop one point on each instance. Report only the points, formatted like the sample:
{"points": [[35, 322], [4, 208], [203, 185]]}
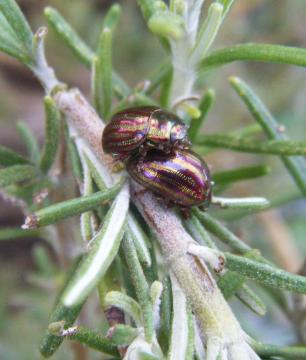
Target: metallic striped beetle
{"points": [[181, 177], [136, 130]]}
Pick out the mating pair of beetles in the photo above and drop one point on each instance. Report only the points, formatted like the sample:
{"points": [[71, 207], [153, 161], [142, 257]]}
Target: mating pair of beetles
{"points": [[154, 145]]}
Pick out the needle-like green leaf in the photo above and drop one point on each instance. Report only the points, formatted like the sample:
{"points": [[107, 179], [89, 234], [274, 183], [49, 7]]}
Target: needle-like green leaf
{"points": [[181, 342], [102, 78], [140, 284], [10, 44], [204, 107], [208, 32], [295, 165], [272, 147], [231, 283], [256, 52], [123, 335], [250, 299], [17, 21], [266, 274], [68, 208], [227, 4], [50, 342], [102, 74], [140, 240], [157, 76], [73, 157], [112, 17], [52, 134], [69, 36], [284, 352], [30, 141], [83, 52], [245, 203], [240, 174], [94, 340], [103, 249], [147, 8], [15, 233], [16, 173], [221, 232], [10, 157]]}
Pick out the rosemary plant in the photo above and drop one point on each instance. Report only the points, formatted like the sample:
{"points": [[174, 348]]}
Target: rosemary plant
{"points": [[163, 282]]}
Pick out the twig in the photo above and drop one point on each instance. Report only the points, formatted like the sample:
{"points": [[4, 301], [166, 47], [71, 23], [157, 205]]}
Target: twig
{"points": [[212, 311]]}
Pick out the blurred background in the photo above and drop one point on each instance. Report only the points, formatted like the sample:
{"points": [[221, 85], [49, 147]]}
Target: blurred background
{"points": [[280, 234]]}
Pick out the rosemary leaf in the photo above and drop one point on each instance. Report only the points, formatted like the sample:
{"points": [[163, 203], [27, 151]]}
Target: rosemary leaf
{"points": [[52, 134], [16, 173], [266, 274], [9, 157], [68, 208], [205, 105], [239, 174], [296, 166], [256, 52], [103, 249], [17, 21], [271, 147], [30, 142]]}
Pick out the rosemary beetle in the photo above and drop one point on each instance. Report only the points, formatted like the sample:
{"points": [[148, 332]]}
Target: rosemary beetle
{"points": [[180, 177], [139, 129]]}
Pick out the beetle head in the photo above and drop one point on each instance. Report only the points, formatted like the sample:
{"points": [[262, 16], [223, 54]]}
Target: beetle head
{"points": [[179, 134]]}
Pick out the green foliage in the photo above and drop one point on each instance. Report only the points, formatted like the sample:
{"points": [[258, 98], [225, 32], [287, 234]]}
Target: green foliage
{"points": [[10, 157], [296, 166], [204, 107], [94, 341], [272, 147], [256, 52], [240, 174], [50, 342], [72, 40], [16, 173], [15, 233], [68, 208], [103, 250], [17, 21], [266, 274], [166, 24], [30, 142], [102, 74], [123, 335], [52, 134], [140, 285], [16, 35]]}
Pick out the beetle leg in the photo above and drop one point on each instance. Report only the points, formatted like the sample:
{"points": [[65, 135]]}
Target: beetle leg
{"points": [[167, 148], [140, 192], [183, 144], [170, 204], [143, 149], [185, 212], [120, 157], [117, 166], [139, 164], [118, 163], [202, 208]]}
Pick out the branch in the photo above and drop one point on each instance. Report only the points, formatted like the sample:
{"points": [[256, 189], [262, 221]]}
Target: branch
{"points": [[208, 304]]}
